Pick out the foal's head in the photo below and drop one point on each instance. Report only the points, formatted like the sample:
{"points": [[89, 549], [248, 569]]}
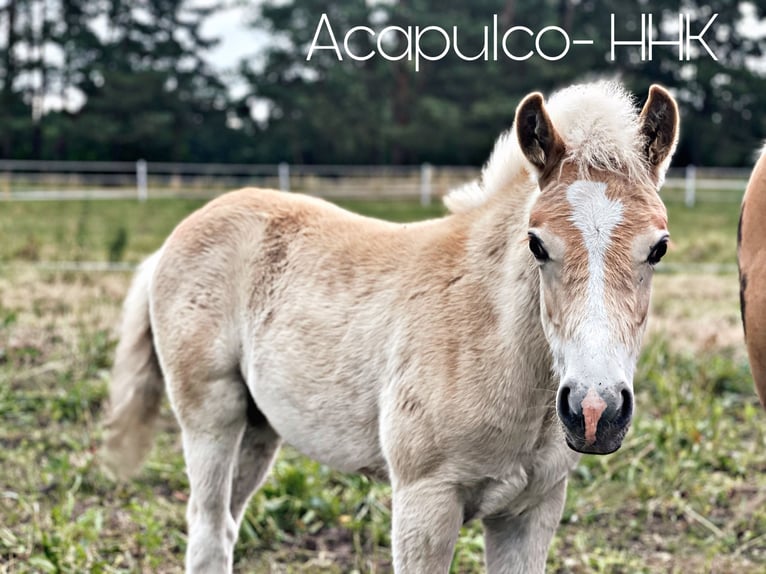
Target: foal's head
{"points": [[596, 231]]}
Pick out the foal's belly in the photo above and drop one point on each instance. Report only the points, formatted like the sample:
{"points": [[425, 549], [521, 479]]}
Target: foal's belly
{"points": [[315, 359], [332, 421]]}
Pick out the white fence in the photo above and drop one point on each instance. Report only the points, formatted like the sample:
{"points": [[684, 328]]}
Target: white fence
{"points": [[23, 180], [706, 184]]}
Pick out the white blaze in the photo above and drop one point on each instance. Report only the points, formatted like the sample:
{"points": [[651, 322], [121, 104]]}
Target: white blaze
{"points": [[591, 356], [596, 216]]}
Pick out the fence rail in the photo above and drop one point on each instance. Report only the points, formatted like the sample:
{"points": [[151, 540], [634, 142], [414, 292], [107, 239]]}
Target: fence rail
{"points": [[26, 180]]}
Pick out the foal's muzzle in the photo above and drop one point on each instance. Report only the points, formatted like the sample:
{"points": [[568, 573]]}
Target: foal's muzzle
{"points": [[595, 421]]}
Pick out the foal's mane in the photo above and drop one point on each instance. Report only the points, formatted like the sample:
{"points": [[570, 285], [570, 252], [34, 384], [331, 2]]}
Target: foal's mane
{"points": [[599, 125]]}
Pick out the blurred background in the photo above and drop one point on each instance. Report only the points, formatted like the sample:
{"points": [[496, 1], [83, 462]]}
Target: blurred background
{"points": [[119, 117], [205, 81]]}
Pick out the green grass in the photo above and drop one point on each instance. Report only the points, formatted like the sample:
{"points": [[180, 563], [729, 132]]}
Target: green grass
{"points": [[86, 230], [705, 233], [685, 493], [125, 230], [128, 230]]}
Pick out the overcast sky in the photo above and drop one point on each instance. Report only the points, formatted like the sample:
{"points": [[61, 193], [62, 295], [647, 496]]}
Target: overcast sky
{"points": [[236, 39]]}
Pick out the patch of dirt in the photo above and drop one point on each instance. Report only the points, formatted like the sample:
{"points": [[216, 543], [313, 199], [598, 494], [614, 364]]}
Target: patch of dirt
{"points": [[697, 313], [330, 550], [43, 314]]}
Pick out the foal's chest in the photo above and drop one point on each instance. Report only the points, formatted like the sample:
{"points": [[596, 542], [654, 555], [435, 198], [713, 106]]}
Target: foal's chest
{"points": [[520, 485]]}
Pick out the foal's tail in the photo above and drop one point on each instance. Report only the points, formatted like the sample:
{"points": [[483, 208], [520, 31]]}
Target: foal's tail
{"points": [[135, 392]]}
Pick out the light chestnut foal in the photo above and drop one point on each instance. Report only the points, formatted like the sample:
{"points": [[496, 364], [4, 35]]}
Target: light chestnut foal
{"points": [[751, 256], [434, 354]]}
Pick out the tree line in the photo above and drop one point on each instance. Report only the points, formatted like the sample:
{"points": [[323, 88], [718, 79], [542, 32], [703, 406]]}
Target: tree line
{"points": [[129, 79]]}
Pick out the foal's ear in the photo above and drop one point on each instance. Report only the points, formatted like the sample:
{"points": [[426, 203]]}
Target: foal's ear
{"points": [[539, 141], [659, 129]]}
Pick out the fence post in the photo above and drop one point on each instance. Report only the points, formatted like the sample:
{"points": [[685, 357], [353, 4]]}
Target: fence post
{"points": [[690, 186], [284, 176], [426, 176], [141, 180]]}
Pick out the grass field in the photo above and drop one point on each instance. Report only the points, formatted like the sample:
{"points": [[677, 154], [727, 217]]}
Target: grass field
{"points": [[685, 494]]}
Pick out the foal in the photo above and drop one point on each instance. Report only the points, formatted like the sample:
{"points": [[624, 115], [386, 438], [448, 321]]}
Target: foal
{"points": [[436, 355]]}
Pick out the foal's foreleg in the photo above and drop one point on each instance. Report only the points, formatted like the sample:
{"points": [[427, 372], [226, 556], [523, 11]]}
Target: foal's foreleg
{"points": [[519, 544], [427, 516]]}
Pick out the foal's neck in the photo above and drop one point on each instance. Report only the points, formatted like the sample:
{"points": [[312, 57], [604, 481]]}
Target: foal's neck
{"points": [[514, 363], [498, 253]]}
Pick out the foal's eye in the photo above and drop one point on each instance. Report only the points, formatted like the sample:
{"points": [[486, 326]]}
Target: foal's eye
{"points": [[657, 251], [537, 249]]}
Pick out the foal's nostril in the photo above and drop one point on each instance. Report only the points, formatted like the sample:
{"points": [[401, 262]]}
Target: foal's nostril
{"points": [[626, 411], [565, 411]]}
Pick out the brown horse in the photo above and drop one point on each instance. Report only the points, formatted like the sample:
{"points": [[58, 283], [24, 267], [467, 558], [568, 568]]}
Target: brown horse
{"points": [[751, 256], [456, 357]]}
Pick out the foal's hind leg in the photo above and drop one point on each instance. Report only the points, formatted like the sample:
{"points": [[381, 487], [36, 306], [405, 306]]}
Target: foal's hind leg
{"points": [[213, 417], [257, 450]]}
